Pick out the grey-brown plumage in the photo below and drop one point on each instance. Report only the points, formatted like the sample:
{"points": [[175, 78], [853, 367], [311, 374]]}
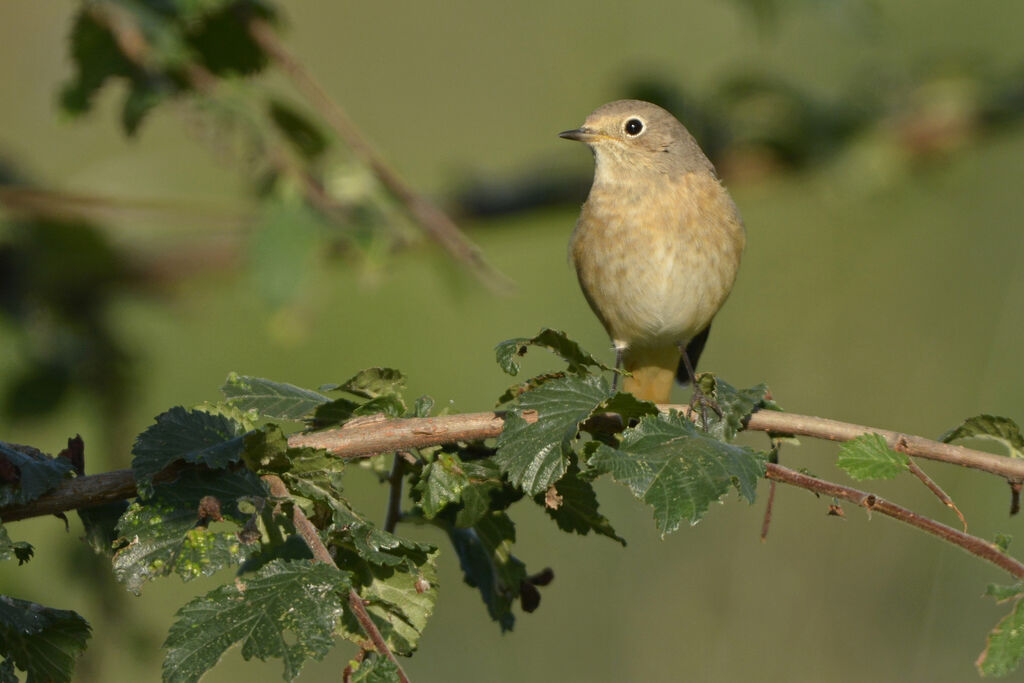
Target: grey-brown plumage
{"points": [[657, 244]]}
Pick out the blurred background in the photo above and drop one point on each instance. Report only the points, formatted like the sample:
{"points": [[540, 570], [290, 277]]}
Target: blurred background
{"points": [[875, 150]]}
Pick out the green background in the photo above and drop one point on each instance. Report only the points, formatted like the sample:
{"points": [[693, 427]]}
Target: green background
{"points": [[874, 290]]}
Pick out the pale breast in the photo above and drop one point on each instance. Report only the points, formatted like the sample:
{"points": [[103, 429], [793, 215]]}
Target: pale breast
{"points": [[656, 260]]}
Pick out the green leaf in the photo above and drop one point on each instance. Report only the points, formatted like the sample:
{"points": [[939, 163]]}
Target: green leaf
{"points": [[288, 609], [1001, 429], [271, 399], [555, 341], [1004, 648], [399, 599], [576, 507], [375, 669], [1003, 541], [26, 473], [536, 455], [1004, 593], [485, 554], [478, 498], [869, 457], [372, 383], [166, 533], [42, 641], [371, 543], [628, 407], [441, 483], [191, 436], [736, 405], [677, 469]]}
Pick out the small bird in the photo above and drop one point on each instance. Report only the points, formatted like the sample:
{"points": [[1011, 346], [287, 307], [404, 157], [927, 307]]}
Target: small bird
{"points": [[657, 244]]}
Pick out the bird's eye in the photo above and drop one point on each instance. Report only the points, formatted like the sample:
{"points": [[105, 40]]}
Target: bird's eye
{"points": [[634, 127]]}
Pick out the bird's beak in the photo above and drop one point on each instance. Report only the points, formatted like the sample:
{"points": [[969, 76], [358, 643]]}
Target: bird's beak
{"points": [[580, 134]]}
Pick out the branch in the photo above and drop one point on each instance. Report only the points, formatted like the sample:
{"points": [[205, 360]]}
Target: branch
{"points": [[434, 221], [364, 438], [869, 501]]}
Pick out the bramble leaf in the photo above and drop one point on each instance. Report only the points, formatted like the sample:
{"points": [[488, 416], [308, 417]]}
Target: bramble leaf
{"points": [[26, 473], [1004, 648], [188, 435], [1001, 429], [42, 641], [168, 532], [535, 456], [288, 609], [576, 506], [869, 457], [555, 341], [677, 469], [271, 399]]}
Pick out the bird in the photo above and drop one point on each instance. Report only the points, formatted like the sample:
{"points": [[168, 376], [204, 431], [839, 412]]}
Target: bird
{"points": [[657, 244]]}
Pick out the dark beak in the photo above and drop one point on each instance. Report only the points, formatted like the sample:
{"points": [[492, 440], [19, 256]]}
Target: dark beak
{"points": [[580, 134]]}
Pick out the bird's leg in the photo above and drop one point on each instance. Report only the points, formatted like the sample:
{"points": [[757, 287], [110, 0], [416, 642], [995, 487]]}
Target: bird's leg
{"points": [[699, 397], [618, 366]]}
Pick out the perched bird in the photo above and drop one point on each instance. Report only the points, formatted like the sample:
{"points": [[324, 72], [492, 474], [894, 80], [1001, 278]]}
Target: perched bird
{"points": [[657, 244]]}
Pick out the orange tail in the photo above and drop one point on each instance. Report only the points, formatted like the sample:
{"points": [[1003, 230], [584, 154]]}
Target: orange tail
{"points": [[654, 372]]}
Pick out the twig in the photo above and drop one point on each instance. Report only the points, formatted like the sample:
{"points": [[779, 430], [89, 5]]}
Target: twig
{"points": [[310, 534], [766, 523], [937, 490], [369, 438], [395, 479], [359, 609], [972, 544], [435, 222]]}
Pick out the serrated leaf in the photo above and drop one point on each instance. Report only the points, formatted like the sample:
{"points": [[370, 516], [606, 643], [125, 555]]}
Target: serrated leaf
{"points": [[373, 383], [677, 469], [34, 474], [424, 404], [42, 641], [189, 436], [869, 457], [1001, 429], [441, 483], [271, 399], [736, 405], [288, 610], [485, 555], [371, 543], [480, 496], [536, 455], [399, 599], [555, 341], [577, 507], [375, 669], [628, 407], [1004, 648], [163, 535]]}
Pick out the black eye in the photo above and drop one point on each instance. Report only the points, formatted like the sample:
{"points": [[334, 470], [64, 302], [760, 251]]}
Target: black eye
{"points": [[634, 127]]}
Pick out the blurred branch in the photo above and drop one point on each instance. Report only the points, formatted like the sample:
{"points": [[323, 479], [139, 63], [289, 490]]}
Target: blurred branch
{"points": [[436, 223]]}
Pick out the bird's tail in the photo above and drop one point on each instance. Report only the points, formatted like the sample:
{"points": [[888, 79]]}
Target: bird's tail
{"points": [[654, 371]]}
